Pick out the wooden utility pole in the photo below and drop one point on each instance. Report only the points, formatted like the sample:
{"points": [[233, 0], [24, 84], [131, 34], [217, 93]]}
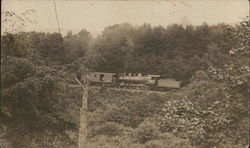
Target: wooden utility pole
{"points": [[83, 112]]}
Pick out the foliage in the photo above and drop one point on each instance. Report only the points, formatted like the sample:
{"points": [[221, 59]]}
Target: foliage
{"points": [[109, 129], [147, 131], [132, 111], [16, 22], [205, 114], [39, 104], [241, 33], [175, 51]]}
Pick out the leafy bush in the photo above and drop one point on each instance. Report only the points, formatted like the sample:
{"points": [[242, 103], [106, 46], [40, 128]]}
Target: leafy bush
{"points": [[107, 128], [147, 131], [205, 115]]}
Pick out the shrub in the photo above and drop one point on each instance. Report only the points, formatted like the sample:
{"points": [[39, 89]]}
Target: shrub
{"points": [[108, 128], [147, 131]]}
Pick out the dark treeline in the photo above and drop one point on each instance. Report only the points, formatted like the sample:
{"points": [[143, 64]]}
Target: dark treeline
{"points": [[174, 51]]}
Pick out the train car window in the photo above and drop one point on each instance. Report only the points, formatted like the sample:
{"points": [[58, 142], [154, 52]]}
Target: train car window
{"points": [[114, 78], [101, 77]]}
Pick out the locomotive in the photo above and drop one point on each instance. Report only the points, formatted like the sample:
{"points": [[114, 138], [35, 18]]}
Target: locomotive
{"points": [[135, 81]]}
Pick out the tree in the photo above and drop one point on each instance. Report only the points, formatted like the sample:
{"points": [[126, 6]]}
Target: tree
{"points": [[14, 22], [30, 100], [115, 46], [77, 45]]}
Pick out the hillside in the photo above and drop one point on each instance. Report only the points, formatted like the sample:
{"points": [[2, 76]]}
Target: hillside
{"points": [[39, 108], [134, 118]]}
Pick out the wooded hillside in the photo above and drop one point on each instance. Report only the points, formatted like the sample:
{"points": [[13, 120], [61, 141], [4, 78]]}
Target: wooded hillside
{"points": [[210, 110]]}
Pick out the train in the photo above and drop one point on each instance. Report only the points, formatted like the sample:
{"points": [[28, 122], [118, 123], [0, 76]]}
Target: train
{"points": [[134, 81]]}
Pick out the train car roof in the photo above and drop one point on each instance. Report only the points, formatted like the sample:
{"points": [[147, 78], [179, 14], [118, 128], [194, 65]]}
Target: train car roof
{"points": [[154, 75]]}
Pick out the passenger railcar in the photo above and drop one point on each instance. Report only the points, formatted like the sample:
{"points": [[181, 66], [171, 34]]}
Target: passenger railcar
{"points": [[102, 78]]}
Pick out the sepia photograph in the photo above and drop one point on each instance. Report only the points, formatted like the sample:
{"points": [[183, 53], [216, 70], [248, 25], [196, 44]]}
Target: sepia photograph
{"points": [[125, 74]]}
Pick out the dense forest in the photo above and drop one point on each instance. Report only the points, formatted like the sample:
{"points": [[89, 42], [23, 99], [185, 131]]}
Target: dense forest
{"points": [[39, 109], [175, 51]]}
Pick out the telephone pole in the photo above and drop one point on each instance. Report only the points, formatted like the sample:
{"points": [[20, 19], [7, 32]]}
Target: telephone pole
{"points": [[82, 139]]}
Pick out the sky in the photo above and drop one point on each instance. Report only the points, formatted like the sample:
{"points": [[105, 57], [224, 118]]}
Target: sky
{"points": [[94, 16]]}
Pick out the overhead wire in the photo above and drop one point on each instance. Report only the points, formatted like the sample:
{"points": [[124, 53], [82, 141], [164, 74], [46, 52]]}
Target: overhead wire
{"points": [[57, 20]]}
